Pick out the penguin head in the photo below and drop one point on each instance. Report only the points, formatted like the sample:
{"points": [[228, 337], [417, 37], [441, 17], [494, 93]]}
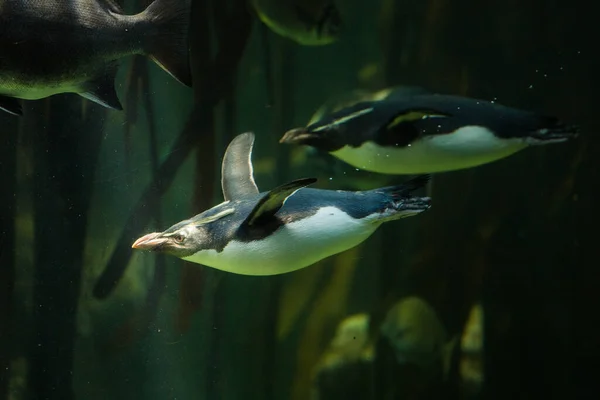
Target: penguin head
{"points": [[187, 237], [181, 242], [326, 139], [334, 130]]}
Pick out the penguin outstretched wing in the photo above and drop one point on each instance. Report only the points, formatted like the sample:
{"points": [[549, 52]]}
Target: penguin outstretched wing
{"points": [[237, 177], [274, 200]]}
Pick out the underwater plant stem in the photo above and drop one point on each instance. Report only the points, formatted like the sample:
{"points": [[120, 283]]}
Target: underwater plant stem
{"points": [[140, 324], [62, 196], [267, 58], [158, 282], [283, 108], [8, 171], [207, 95], [279, 82], [204, 191], [139, 217]]}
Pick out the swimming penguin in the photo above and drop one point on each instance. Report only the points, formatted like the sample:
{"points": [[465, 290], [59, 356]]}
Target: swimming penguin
{"points": [[416, 132], [284, 229]]}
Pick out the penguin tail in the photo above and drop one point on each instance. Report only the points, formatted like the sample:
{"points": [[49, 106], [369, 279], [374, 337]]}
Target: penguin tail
{"points": [[553, 131], [167, 45], [404, 190], [401, 202]]}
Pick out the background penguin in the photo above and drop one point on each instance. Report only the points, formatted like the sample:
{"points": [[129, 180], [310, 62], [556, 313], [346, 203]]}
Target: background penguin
{"points": [[414, 132], [285, 229]]}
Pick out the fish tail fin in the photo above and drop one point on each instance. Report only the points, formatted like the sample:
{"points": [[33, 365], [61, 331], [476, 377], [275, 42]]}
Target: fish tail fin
{"points": [[169, 46]]}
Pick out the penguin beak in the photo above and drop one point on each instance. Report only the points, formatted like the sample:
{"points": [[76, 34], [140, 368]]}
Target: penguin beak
{"points": [[296, 135], [151, 241]]}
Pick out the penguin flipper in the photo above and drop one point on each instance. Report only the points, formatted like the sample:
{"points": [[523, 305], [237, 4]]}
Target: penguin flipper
{"points": [[274, 200], [414, 115], [401, 130], [237, 176]]}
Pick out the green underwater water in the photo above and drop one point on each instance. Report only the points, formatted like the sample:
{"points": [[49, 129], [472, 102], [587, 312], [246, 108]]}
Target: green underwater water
{"points": [[516, 236]]}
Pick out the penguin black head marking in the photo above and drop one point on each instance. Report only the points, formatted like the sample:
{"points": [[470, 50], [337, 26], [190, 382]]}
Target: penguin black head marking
{"points": [[364, 121], [186, 237], [203, 230], [323, 140], [330, 132]]}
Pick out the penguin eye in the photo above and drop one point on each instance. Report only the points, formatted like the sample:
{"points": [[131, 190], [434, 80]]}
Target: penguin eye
{"points": [[179, 238]]}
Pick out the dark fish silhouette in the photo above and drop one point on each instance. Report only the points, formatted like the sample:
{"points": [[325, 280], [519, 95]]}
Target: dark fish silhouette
{"points": [[58, 46], [307, 22]]}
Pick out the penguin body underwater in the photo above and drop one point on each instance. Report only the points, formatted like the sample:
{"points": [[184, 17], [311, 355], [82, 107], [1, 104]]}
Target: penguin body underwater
{"points": [[284, 229], [416, 132]]}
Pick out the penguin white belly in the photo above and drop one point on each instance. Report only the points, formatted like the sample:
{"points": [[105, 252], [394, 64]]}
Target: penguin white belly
{"points": [[467, 147], [293, 246]]}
